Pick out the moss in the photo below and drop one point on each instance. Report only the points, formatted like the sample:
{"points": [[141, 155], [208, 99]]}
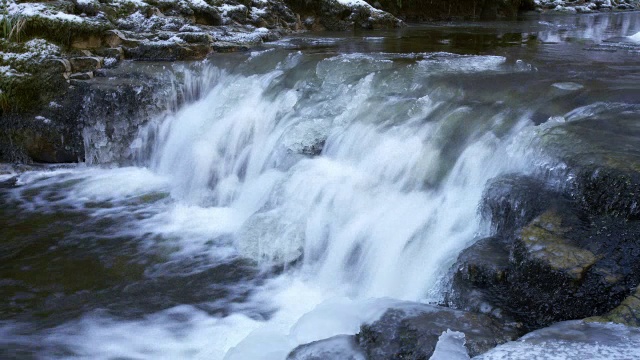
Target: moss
{"points": [[627, 313], [544, 241], [63, 32]]}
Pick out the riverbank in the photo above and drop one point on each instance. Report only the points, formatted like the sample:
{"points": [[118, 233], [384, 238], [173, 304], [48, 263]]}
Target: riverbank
{"points": [[52, 50]]}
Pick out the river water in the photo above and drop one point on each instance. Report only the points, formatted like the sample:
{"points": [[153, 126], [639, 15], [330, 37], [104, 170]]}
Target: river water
{"points": [[299, 190]]}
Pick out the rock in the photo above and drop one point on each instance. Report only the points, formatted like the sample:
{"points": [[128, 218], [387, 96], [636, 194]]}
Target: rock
{"points": [[167, 51], [226, 47], [342, 347], [114, 53], [603, 154], [544, 241], [82, 76], [627, 313], [59, 65], [85, 63], [114, 38], [90, 41], [511, 201], [481, 277], [564, 264], [194, 38], [412, 332]]}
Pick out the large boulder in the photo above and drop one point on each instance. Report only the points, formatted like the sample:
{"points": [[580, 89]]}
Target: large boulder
{"points": [[412, 332], [563, 264], [627, 313]]}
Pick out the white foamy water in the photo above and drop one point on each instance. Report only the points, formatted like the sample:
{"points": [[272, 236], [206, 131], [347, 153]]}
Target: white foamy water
{"points": [[360, 176]]}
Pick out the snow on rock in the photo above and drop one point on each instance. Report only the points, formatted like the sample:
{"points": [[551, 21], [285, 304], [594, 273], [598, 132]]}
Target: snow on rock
{"points": [[570, 6], [635, 37]]}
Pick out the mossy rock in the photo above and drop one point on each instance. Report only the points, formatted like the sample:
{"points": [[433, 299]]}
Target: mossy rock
{"points": [[603, 154], [627, 313], [411, 331], [64, 32], [550, 261], [543, 240]]}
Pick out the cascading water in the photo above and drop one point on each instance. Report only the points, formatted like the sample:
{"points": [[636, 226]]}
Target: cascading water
{"points": [[380, 212], [285, 197]]}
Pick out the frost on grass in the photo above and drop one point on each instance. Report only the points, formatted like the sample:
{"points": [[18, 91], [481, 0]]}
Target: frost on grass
{"points": [[32, 50]]}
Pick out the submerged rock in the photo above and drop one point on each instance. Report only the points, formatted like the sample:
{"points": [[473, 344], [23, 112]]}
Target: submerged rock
{"points": [[412, 332]]}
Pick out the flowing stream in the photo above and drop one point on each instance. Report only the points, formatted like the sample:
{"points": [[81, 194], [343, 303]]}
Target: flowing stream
{"points": [[298, 191]]}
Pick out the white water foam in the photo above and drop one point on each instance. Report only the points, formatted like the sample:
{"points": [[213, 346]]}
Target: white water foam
{"points": [[379, 216]]}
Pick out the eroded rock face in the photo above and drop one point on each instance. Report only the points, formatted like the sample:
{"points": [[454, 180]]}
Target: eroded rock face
{"points": [[446, 10], [565, 263], [627, 313], [412, 332]]}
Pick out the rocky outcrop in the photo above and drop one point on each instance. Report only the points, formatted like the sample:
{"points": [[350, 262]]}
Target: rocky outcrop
{"points": [[66, 42], [627, 313], [412, 332], [563, 264], [340, 15], [415, 10], [566, 252]]}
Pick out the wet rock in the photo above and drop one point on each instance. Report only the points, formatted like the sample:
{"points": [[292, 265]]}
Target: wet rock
{"points": [[342, 347], [565, 263], [627, 313], [481, 276], [85, 63], [602, 153], [115, 105], [544, 241], [167, 51], [82, 76], [512, 201], [412, 332]]}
